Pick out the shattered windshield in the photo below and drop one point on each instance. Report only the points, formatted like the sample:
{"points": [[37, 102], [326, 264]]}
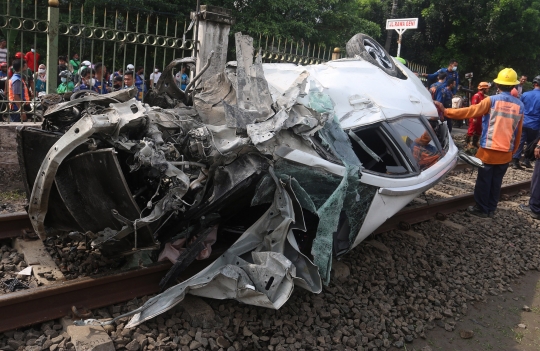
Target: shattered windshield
{"points": [[419, 140]]}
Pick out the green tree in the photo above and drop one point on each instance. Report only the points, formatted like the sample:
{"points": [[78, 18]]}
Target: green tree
{"points": [[483, 35]]}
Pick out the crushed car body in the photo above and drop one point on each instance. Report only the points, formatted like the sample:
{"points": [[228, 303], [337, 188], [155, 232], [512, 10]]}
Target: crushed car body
{"points": [[268, 171]]}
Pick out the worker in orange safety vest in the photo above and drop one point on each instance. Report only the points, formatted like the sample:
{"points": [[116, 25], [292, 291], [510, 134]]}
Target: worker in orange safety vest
{"points": [[502, 121], [18, 93]]}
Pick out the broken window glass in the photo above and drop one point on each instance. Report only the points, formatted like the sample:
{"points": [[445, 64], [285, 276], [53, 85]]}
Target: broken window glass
{"points": [[415, 134], [377, 152]]}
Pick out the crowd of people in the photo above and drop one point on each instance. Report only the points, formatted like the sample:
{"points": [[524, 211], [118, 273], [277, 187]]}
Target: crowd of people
{"points": [[499, 127], [24, 77]]}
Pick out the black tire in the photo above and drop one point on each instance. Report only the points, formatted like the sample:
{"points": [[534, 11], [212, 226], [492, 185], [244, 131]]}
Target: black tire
{"points": [[368, 49]]}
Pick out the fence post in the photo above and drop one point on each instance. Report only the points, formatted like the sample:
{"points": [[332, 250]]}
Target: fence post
{"points": [[336, 54], [52, 47], [214, 26]]}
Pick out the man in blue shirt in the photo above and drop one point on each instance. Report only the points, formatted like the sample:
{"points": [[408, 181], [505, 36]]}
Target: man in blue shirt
{"points": [[137, 82], [451, 72], [435, 87], [101, 72], [86, 82], [445, 95], [531, 122]]}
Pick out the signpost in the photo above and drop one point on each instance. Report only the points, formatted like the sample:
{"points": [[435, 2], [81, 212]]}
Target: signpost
{"points": [[400, 25]]}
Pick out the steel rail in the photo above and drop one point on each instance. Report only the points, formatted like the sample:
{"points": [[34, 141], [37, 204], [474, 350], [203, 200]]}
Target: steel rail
{"points": [[408, 216], [27, 307], [12, 225], [45, 303]]}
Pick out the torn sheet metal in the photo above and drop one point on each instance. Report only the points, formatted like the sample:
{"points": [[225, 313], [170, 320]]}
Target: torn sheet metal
{"points": [[262, 162], [255, 270]]}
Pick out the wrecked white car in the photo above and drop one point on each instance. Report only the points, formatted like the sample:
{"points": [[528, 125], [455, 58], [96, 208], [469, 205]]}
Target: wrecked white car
{"points": [[266, 170]]}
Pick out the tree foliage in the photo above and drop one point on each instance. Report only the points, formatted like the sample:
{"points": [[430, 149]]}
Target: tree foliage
{"points": [[483, 35]]}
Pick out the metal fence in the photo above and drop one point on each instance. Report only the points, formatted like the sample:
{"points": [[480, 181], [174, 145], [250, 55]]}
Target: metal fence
{"points": [[286, 50], [303, 53], [113, 38]]}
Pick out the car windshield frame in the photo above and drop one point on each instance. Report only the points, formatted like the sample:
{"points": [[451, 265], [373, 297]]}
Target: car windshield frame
{"points": [[388, 124]]}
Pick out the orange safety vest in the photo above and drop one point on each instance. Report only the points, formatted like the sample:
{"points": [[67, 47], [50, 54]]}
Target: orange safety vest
{"points": [[500, 126], [25, 95]]}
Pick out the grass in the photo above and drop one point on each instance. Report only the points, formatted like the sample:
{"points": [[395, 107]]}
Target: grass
{"points": [[518, 335], [13, 195]]}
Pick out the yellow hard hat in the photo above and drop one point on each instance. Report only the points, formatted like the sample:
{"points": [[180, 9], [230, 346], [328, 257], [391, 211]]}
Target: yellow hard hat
{"points": [[507, 77]]}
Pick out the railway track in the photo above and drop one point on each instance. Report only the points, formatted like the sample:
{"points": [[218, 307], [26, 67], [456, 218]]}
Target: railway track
{"points": [[54, 301]]}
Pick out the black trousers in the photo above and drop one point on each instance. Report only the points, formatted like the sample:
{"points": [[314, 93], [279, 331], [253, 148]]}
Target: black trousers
{"points": [[488, 186]]}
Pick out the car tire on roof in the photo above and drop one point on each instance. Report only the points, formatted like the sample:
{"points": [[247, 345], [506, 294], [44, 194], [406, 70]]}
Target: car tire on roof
{"points": [[367, 48]]}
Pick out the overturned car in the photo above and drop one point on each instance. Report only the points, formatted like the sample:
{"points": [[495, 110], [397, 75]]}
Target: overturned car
{"points": [[268, 171]]}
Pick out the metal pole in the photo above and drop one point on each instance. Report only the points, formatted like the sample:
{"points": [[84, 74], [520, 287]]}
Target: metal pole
{"points": [[52, 46], [197, 10], [399, 42]]}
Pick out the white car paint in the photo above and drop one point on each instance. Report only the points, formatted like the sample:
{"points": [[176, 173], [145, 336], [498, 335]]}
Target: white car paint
{"points": [[363, 94]]}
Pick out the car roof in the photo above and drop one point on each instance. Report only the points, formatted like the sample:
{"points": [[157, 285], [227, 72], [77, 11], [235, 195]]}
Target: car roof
{"points": [[362, 93]]}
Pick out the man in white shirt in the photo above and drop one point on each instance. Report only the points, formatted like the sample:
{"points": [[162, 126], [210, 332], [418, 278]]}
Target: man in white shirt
{"points": [[154, 77], [3, 50]]}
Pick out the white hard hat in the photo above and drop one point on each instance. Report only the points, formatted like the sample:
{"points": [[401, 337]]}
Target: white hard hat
{"points": [[130, 67], [86, 63]]}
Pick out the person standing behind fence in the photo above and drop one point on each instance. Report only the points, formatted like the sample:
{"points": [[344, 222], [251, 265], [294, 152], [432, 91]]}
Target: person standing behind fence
{"points": [[74, 64], [86, 82], [26, 74], [18, 93], [117, 83], [62, 66], [501, 130], [182, 79], [66, 85], [154, 77], [32, 59], [531, 123], [3, 50], [130, 81], [41, 79], [119, 73], [140, 73], [101, 71]]}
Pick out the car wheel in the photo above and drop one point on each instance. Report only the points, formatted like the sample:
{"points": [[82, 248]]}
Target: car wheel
{"points": [[367, 48]]}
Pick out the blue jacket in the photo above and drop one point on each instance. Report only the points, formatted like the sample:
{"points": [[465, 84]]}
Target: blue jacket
{"points": [[141, 88], [531, 101], [101, 89], [449, 74], [444, 96], [438, 86]]}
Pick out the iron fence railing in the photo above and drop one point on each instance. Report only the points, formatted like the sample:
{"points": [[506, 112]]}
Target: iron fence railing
{"points": [[112, 38], [292, 51]]}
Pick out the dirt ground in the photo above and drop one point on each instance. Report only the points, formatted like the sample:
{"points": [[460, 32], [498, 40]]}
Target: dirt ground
{"points": [[12, 200], [495, 323]]}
